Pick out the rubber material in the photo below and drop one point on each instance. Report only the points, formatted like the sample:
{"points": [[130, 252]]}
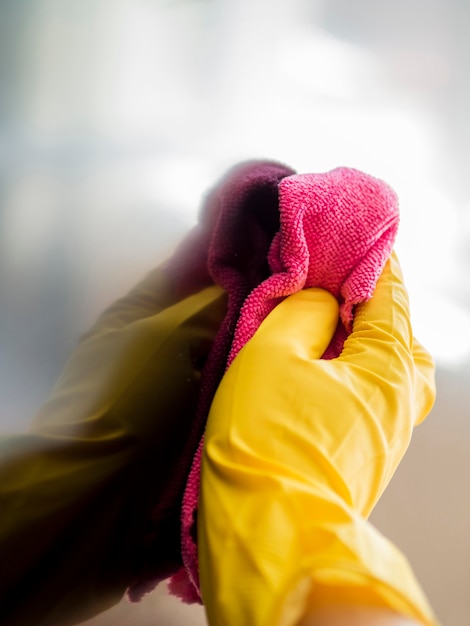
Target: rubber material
{"points": [[298, 451]]}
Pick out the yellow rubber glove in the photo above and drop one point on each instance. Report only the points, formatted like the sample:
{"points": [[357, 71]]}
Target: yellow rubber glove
{"points": [[297, 453], [90, 497]]}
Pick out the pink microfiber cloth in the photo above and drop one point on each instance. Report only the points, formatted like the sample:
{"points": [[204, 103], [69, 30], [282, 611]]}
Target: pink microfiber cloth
{"points": [[265, 233]]}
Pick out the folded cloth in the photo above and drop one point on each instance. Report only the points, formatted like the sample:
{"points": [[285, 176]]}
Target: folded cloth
{"points": [[336, 232], [228, 246], [265, 233]]}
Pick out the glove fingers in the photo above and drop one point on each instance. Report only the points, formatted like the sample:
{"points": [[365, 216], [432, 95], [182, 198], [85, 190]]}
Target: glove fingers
{"points": [[130, 370], [150, 296], [425, 383], [158, 290], [308, 320], [382, 343], [382, 337]]}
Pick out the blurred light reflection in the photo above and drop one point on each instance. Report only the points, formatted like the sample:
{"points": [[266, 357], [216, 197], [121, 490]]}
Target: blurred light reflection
{"points": [[117, 115]]}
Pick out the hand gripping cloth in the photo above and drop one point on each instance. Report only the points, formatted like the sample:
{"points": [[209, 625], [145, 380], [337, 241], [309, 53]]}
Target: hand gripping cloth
{"points": [[265, 233], [297, 452]]}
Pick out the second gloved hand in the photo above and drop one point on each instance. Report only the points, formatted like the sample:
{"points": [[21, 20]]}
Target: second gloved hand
{"points": [[91, 495]]}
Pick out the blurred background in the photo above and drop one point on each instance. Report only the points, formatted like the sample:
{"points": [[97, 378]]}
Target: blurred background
{"points": [[117, 115]]}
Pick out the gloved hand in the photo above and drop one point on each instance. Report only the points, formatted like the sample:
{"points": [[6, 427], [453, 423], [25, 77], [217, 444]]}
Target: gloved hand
{"points": [[111, 447], [297, 453]]}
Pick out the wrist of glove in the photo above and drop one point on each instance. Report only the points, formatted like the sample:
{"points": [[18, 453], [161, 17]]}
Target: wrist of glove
{"points": [[298, 451]]}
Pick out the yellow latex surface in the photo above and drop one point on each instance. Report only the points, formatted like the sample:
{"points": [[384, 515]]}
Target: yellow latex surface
{"points": [[297, 453], [78, 490]]}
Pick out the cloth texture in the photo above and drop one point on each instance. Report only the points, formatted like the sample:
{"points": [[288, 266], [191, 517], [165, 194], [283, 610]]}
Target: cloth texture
{"points": [[265, 233]]}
